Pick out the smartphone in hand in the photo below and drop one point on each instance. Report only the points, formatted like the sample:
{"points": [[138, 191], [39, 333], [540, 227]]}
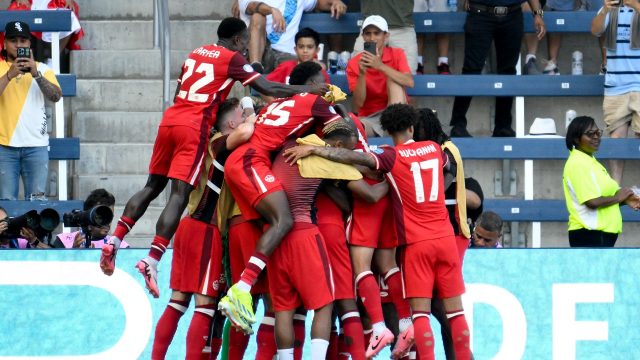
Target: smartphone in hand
{"points": [[370, 47], [24, 53]]}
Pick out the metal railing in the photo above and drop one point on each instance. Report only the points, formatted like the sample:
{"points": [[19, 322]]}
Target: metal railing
{"points": [[162, 41]]}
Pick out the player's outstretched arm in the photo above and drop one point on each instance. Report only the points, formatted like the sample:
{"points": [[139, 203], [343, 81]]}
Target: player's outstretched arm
{"points": [[277, 89], [369, 193], [331, 153]]}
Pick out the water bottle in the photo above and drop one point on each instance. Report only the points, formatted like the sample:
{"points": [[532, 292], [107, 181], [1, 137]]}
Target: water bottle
{"points": [[452, 5], [332, 58], [576, 63], [569, 116], [343, 60]]}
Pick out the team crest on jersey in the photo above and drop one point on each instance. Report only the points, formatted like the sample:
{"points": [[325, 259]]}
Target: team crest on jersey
{"points": [[216, 285], [248, 68], [269, 178], [375, 149]]}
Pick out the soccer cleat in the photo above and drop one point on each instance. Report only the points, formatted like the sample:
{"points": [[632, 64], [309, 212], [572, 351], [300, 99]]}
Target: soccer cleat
{"points": [[404, 343], [225, 307], [150, 274], [378, 342], [108, 259], [443, 69], [239, 305]]}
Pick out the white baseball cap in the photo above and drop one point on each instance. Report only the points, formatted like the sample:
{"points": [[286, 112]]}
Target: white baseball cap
{"points": [[377, 21]]}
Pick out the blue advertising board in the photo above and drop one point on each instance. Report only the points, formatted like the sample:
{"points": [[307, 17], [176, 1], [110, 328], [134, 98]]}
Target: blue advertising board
{"points": [[520, 304]]}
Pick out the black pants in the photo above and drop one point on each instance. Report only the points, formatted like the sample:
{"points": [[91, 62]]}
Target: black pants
{"points": [[480, 29], [591, 238]]}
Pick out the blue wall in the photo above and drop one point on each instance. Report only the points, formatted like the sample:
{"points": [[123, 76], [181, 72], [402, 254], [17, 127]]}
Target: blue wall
{"points": [[525, 303]]}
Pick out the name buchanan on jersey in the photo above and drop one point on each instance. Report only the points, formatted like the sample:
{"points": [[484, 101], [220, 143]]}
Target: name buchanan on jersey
{"points": [[417, 152], [208, 53]]}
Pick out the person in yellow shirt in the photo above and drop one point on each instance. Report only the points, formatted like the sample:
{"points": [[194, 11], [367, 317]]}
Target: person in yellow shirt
{"points": [[24, 86], [593, 198]]}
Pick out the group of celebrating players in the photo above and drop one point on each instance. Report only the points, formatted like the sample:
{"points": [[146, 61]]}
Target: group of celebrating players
{"points": [[280, 185]]}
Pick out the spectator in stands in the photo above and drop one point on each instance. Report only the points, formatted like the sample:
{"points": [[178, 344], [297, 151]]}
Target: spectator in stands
{"points": [[442, 40], [399, 17], [593, 198], [68, 39], [377, 80], [307, 41], [278, 22], [618, 24], [98, 235], [488, 231], [28, 239], [24, 86], [501, 22]]}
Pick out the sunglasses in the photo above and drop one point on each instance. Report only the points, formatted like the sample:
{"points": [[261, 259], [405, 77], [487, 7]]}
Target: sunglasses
{"points": [[593, 133]]}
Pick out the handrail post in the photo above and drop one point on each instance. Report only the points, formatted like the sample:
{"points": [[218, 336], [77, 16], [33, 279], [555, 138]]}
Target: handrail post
{"points": [[166, 54], [156, 24]]}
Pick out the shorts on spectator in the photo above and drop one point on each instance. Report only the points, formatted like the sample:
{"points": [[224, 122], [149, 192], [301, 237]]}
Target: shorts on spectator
{"points": [[272, 58], [373, 122], [621, 110], [430, 6]]}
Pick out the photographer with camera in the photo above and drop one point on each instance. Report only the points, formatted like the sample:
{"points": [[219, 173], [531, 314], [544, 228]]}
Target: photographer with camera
{"points": [[94, 222], [24, 86], [27, 239]]}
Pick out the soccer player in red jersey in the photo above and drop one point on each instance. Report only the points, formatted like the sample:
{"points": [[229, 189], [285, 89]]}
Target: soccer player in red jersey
{"points": [[430, 257], [205, 82], [257, 191], [197, 255]]}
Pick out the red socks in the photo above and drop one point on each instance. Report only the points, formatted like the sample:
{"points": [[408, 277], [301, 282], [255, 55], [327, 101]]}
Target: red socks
{"points": [[332, 350], [266, 338], [367, 337], [256, 263], [216, 344], [369, 292], [238, 342], [199, 331], [158, 247], [460, 334], [124, 226], [353, 338], [166, 328], [298, 330], [423, 335], [393, 279]]}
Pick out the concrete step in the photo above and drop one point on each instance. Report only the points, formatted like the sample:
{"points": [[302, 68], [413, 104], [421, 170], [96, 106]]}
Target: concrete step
{"points": [[121, 186], [118, 95], [138, 34], [116, 127], [142, 233], [178, 9], [114, 159], [129, 64]]}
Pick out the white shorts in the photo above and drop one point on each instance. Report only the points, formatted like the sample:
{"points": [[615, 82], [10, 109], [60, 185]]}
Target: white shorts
{"points": [[430, 6]]}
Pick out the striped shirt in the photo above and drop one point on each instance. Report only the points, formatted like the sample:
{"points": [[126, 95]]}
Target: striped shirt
{"points": [[623, 64]]}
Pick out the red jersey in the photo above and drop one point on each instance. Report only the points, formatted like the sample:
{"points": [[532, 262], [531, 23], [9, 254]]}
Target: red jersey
{"points": [[281, 72], [290, 117], [414, 170], [377, 98], [205, 82]]}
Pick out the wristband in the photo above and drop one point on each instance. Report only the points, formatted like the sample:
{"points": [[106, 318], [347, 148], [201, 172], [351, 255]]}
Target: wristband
{"points": [[246, 103]]}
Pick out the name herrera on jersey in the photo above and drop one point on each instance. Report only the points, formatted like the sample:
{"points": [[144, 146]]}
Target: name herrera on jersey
{"points": [[427, 149], [208, 53]]}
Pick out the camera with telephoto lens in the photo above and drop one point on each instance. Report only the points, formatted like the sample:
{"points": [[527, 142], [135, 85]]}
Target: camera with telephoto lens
{"points": [[100, 215], [42, 224]]}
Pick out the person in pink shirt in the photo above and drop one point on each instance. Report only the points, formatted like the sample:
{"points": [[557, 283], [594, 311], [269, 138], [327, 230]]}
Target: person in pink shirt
{"points": [[98, 234], [29, 240]]}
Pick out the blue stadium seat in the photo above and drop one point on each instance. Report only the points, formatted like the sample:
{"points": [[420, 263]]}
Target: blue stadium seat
{"points": [[67, 84], [541, 210], [39, 20], [447, 22], [64, 149], [19, 207], [498, 85]]}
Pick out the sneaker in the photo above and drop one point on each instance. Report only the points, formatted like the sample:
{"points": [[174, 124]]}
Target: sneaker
{"points": [[150, 274], [225, 307], [603, 69], [257, 67], [239, 305], [403, 344], [443, 69], [531, 68], [108, 259], [378, 342], [420, 69], [459, 131], [551, 69], [504, 132]]}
